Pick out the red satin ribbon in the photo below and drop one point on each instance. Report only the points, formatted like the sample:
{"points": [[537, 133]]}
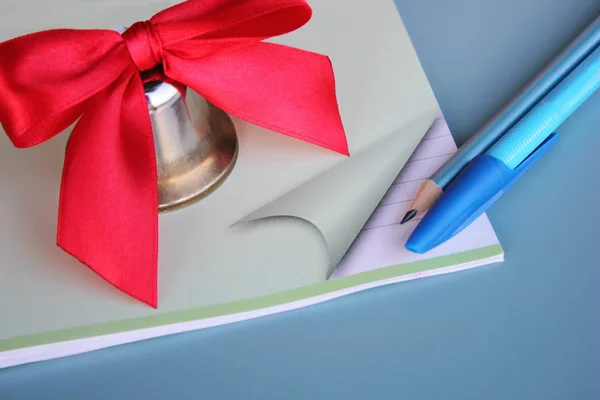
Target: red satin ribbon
{"points": [[108, 200]]}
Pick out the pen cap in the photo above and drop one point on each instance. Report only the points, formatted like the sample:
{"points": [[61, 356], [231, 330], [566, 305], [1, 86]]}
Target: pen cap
{"points": [[480, 184]]}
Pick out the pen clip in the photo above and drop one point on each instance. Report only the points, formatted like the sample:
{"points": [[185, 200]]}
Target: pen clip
{"points": [[531, 159]]}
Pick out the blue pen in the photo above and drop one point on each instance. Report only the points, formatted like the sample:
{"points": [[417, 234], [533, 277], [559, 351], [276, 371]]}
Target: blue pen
{"points": [[546, 80], [489, 175]]}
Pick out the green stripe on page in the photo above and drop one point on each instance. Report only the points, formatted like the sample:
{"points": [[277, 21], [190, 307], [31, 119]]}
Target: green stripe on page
{"points": [[250, 304]]}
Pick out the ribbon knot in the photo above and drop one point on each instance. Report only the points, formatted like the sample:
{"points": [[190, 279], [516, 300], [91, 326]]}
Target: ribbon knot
{"points": [[108, 209], [144, 45]]}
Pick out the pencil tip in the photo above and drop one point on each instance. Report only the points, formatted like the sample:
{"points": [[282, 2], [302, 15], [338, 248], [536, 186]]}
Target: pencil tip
{"points": [[408, 216]]}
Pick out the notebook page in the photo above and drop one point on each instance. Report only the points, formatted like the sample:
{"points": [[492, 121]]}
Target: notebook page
{"points": [[382, 239]]}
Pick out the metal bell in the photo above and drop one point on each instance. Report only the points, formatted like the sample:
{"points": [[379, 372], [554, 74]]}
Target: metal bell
{"points": [[196, 144]]}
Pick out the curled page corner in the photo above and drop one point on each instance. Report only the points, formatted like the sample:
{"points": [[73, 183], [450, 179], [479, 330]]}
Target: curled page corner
{"points": [[339, 201]]}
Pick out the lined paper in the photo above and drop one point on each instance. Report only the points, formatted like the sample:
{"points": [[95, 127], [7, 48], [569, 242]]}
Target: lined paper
{"points": [[381, 242]]}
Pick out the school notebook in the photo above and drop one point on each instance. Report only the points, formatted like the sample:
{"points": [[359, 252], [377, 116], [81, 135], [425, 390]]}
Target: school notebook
{"points": [[267, 240], [377, 257]]}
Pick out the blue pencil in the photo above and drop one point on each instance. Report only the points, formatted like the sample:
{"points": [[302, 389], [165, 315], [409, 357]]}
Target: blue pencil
{"points": [[565, 62]]}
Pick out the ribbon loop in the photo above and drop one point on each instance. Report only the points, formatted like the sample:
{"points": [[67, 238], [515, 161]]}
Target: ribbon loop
{"points": [[144, 45]]}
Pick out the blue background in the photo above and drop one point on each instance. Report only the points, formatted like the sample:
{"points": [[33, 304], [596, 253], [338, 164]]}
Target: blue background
{"points": [[524, 329]]}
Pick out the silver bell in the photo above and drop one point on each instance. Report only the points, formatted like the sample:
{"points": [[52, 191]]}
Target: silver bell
{"points": [[196, 144]]}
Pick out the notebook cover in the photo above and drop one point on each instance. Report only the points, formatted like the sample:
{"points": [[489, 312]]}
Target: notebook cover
{"points": [[223, 249]]}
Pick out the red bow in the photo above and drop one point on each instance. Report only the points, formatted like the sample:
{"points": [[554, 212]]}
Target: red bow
{"points": [[108, 199]]}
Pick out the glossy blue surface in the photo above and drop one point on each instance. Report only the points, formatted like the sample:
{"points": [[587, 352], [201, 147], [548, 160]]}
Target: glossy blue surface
{"points": [[524, 329]]}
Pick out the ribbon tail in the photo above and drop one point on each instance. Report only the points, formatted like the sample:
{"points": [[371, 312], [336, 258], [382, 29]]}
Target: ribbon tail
{"points": [[280, 88], [108, 202]]}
